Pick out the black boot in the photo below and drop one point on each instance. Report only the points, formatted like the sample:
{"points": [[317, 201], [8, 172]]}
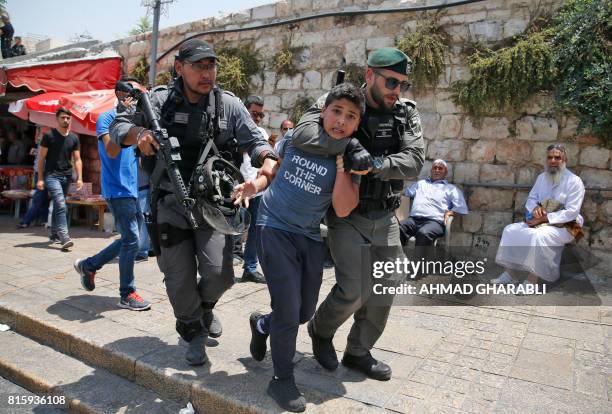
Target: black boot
{"points": [[196, 353], [374, 369], [258, 340], [212, 324], [323, 350], [287, 395]]}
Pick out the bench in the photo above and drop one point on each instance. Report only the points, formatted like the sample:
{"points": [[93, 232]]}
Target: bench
{"points": [[85, 198]]}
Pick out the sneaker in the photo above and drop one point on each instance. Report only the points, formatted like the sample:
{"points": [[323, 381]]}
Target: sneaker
{"points": [[323, 349], [286, 394], [212, 324], [23, 226], [258, 345], [196, 353], [133, 301], [66, 245], [54, 238], [374, 369], [504, 279], [255, 276], [140, 258], [87, 276]]}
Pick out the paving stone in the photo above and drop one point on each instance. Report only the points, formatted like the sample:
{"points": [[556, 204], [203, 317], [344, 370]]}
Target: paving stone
{"points": [[543, 368], [549, 344]]}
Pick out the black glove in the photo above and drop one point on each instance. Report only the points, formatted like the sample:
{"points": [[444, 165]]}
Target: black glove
{"points": [[356, 157]]}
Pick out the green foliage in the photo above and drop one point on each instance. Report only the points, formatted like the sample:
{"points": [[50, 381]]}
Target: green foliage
{"points": [[163, 78], [427, 47], [284, 61], [301, 105], [582, 43], [355, 74], [143, 26], [236, 65], [504, 79], [140, 71]]}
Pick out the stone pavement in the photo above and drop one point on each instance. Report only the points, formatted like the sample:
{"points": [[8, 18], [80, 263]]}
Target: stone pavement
{"points": [[444, 358]]}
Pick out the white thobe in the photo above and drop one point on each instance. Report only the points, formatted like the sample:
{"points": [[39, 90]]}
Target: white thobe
{"points": [[538, 250]]}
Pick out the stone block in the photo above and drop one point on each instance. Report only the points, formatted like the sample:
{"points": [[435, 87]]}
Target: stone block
{"points": [[425, 102], [269, 84], [533, 128], [289, 82], [596, 178], [519, 201], [276, 118], [568, 127], [138, 48], [256, 82], [425, 170], [266, 11], [485, 31], [328, 80], [482, 151], [448, 149], [288, 100], [450, 126], [589, 209], [513, 27], [355, 51], [596, 157], [513, 151], [490, 199], [527, 175], [466, 172], [445, 105], [459, 73], [272, 103], [606, 209], [494, 128], [472, 222], [543, 368], [312, 80], [540, 103], [283, 8], [429, 123], [462, 239], [494, 222], [496, 174], [325, 4], [378, 42]]}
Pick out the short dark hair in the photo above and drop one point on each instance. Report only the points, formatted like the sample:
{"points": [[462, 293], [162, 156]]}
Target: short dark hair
{"points": [[349, 92], [253, 100], [62, 111]]}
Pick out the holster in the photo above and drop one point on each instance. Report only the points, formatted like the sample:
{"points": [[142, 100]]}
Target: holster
{"points": [[171, 236]]}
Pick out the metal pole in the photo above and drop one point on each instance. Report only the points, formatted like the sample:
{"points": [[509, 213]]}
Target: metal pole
{"points": [[154, 34]]}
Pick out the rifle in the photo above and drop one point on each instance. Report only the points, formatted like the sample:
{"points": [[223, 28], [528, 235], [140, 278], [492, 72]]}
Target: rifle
{"points": [[168, 154]]}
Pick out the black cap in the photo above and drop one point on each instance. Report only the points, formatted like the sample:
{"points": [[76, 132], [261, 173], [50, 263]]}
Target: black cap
{"points": [[193, 50]]}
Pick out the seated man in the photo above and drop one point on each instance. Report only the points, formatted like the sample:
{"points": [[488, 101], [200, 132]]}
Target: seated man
{"points": [[435, 200], [552, 220]]}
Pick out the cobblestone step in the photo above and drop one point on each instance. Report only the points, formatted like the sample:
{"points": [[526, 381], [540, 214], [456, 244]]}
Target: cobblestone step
{"points": [[68, 383]]}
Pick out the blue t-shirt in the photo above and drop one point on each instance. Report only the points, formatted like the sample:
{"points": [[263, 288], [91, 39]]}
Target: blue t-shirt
{"points": [[300, 194], [120, 174]]}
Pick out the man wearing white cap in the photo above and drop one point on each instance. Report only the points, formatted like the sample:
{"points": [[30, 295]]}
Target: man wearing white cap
{"points": [[434, 201]]}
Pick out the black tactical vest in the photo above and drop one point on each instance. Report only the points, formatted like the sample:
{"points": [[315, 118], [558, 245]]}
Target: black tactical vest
{"points": [[380, 133]]}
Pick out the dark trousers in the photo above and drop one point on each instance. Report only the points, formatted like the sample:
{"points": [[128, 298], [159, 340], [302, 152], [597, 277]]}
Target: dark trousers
{"points": [[424, 230], [293, 265]]}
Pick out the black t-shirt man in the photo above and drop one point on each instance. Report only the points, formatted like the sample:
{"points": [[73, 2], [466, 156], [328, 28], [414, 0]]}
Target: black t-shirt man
{"points": [[60, 149]]}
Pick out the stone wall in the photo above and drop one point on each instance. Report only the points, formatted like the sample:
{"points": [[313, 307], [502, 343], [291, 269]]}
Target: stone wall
{"points": [[498, 156]]}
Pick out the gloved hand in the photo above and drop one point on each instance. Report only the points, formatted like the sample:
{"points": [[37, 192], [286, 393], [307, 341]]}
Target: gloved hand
{"points": [[356, 157]]}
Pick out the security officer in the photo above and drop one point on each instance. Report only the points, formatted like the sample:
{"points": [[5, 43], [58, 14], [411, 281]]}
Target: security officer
{"points": [[391, 132], [183, 109]]}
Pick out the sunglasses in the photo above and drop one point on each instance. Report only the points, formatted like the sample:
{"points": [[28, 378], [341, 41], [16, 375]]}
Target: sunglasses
{"points": [[392, 83], [259, 115], [285, 129]]}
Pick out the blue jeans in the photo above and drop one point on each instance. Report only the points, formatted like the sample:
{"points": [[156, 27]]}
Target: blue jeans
{"points": [[145, 208], [250, 247], [128, 219], [57, 185], [39, 208]]}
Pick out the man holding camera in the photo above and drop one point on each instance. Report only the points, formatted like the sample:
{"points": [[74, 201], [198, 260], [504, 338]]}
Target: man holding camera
{"points": [[391, 132], [120, 189], [189, 109]]}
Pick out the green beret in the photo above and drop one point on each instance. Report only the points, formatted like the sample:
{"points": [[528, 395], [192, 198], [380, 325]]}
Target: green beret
{"points": [[390, 58]]}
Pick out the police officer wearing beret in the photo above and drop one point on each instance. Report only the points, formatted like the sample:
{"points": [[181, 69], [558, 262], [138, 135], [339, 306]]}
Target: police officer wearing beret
{"points": [[391, 133], [184, 108]]}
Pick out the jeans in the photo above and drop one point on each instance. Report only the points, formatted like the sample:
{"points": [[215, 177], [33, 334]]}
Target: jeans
{"points": [[128, 219], [57, 185], [250, 247], [39, 208], [145, 208]]}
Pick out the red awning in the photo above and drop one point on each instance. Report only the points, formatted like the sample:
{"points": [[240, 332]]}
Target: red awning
{"points": [[69, 76], [85, 107]]}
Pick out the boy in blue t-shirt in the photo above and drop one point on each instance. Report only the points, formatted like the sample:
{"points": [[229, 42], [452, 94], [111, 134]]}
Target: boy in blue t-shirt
{"points": [[289, 244]]}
